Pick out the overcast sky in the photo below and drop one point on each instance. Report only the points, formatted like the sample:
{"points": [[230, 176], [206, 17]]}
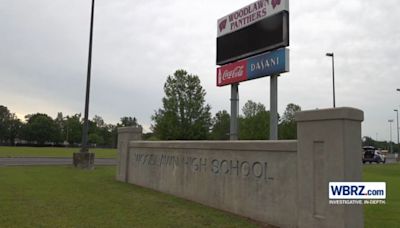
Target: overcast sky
{"points": [[137, 44]]}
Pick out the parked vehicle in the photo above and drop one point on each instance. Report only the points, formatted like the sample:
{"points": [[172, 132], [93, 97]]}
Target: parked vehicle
{"points": [[371, 154], [380, 156]]}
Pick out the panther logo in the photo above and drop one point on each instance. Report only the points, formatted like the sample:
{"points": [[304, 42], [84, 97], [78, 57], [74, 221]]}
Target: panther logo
{"points": [[274, 3], [222, 25]]}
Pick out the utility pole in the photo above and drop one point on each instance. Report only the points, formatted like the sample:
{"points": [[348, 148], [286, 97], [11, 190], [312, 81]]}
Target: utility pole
{"points": [[84, 159], [85, 148]]}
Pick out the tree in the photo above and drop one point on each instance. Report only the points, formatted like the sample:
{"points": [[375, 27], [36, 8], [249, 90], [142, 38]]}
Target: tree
{"points": [[368, 141], [99, 122], [288, 127], [10, 126], [96, 139], [221, 124], [184, 114], [41, 128], [4, 123], [114, 135], [101, 133], [60, 122], [255, 122], [251, 109], [109, 134], [128, 122], [290, 111], [14, 128], [73, 129]]}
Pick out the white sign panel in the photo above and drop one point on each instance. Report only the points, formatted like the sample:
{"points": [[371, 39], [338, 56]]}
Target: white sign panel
{"points": [[357, 190], [250, 14]]}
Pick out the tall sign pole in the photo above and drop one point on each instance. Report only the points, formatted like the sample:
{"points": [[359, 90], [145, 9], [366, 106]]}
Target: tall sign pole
{"points": [[84, 159], [85, 130], [234, 129], [273, 121]]}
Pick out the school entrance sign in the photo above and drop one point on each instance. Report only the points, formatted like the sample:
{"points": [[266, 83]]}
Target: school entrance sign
{"points": [[251, 43], [251, 30], [282, 183], [250, 14]]}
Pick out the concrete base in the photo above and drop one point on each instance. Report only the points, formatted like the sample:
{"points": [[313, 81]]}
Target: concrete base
{"points": [[83, 160]]}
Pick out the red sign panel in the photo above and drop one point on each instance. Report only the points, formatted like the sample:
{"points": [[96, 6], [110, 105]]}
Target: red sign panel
{"points": [[232, 73]]}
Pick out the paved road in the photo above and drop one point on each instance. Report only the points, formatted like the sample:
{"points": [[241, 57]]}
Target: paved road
{"points": [[388, 161], [50, 161]]}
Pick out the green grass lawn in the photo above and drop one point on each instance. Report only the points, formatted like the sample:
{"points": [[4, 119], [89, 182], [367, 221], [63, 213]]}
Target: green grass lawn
{"points": [[46, 196], [50, 196], [7, 151], [387, 215]]}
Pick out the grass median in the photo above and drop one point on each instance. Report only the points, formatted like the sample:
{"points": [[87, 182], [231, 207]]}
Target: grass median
{"points": [[384, 215], [47, 196], [9, 151]]}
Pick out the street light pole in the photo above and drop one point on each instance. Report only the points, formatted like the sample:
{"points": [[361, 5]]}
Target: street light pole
{"points": [[398, 90], [83, 159], [85, 130], [333, 76], [397, 112], [390, 142]]}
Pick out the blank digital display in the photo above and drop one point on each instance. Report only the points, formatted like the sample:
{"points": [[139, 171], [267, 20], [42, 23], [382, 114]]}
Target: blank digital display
{"points": [[267, 34]]}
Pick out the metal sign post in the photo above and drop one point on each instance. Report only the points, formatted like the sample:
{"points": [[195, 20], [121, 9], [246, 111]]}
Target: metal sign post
{"points": [[273, 115], [234, 131]]}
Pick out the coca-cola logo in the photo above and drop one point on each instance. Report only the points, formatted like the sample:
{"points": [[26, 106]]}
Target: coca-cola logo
{"points": [[235, 73]]}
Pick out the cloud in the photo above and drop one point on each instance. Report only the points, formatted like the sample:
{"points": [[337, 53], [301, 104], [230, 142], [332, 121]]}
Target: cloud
{"points": [[137, 44]]}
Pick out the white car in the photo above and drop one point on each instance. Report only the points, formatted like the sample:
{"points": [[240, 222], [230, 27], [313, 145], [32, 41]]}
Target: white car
{"points": [[379, 157], [372, 155]]}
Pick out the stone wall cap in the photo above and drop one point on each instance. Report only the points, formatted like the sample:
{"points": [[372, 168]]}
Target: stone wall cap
{"points": [[342, 113], [129, 130], [248, 145]]}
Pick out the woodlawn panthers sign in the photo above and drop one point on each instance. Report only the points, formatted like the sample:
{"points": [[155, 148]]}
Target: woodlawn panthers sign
{"points": [[254, 29], [250, 14]]}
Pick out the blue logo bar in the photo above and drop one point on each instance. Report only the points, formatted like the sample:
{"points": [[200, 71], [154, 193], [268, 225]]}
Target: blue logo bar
{"points": [[274, 62]]}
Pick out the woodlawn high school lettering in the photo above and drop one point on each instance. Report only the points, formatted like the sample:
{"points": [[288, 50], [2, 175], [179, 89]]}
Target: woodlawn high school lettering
{"points": [[254, 169]]}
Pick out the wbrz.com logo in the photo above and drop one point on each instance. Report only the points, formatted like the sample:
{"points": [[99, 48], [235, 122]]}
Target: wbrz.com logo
{"points": [[357, 190]]}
